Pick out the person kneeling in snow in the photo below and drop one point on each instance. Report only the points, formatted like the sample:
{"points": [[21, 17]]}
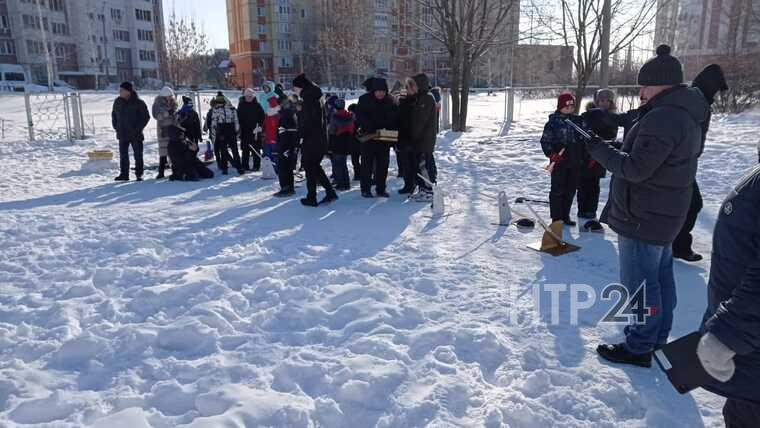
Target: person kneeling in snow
{"points": [[730, 346], [183, 155], [561, 144]]}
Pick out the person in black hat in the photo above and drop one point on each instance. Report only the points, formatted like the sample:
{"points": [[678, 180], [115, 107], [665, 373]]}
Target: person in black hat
{"points": [[650, 193], [375, 112], [129, 117], [312, 129], [710, 81]]}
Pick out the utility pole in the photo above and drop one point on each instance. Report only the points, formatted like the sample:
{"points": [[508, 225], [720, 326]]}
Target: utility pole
{"points": [[105, 42], [50, 73], [604, 69]]}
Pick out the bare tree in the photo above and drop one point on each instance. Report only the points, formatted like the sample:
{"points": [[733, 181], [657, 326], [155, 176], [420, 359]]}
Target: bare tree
{"points": [[579, 23], [187, 51], [466, 29]]}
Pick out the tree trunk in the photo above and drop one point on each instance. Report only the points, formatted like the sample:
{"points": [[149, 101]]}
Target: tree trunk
{"points": [[465, 98]]}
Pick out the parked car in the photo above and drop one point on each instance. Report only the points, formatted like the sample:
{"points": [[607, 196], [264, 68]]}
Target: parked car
{"points": [[12, 78]]}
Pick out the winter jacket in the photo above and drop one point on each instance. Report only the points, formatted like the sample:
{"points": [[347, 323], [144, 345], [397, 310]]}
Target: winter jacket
{"points": [[558, 135], [424, 126], [269, 101], [373, 114], [405, 109], [189, 120], [733, 292], [595, 120], [710, 81], [341, 132], [250, 115], [165, 112], [653, 175], [287, 134], [311, 123], [129, 118], [224, 117]]}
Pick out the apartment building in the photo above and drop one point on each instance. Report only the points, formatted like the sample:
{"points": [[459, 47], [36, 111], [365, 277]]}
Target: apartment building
{"points": [[705, 31], [91, 42]]}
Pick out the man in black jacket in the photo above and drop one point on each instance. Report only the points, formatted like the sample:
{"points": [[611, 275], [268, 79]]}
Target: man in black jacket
{"points": [[423, 132], [649, 196], [129, 118], [313, 131], [374, 112], [251, 117], [710, 81]]}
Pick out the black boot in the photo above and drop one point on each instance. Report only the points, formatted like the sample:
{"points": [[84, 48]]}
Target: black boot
{"points": [[285, 193], [569, 222], [329, 198], [121, 177], [309, 202], [161, 167], [618, 354], [691, 256]]}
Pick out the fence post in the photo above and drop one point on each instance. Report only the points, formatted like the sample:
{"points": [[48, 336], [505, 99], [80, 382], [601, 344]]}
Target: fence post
{"points": [[76, 117], [510, 104], [67, 114], [29, 122]]}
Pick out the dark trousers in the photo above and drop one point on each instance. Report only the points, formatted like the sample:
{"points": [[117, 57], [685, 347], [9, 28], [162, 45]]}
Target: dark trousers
{"points": [[375, 153], [741, 414], [218, 153], [400, 164], [588, 196], [228, 143], [340, 169], [315, 175], [422, 164], [564, 182], [249, 143], [137, 149], [682, 244], [286, 162], [355, 161], [407, 159]]}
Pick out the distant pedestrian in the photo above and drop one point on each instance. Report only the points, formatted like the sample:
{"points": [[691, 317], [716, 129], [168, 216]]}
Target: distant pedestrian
{"points": [[251, 117], [165, 113], [129, 118]]}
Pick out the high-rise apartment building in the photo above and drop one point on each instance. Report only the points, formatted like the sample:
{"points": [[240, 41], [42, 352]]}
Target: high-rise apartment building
{"points": [[91, 42]]}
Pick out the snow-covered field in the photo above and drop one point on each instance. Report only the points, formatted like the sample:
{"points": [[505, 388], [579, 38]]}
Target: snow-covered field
{"points": [[213, 304]]}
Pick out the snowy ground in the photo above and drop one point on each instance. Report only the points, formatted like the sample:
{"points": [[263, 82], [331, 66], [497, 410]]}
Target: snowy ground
{"points": [[212, 304]]}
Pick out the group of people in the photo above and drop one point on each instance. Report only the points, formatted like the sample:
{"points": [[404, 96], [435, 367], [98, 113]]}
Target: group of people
{"points": [[306, 125], [653, 204]]}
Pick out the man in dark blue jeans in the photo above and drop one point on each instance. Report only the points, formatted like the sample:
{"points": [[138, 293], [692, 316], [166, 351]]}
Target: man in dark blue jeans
{"points": [[730, 346], [650, 194]]}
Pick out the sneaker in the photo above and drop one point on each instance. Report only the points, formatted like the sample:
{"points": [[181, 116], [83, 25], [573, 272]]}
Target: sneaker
{"points": [[691, 256], [619, 354], [569, 222], [121, 178], [309, 202], [367, 195], [328, 199], [382, 194], [284, 193]]}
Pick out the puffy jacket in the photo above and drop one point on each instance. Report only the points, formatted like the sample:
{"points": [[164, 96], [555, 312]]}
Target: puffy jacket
{"points": [[165, 112], [287, 134], [224, 116], [311, 120], [250, 115], [424, 125], [341, 132], [596, 119], [405, 109], [559, 135], [653, 175], [129, 118], [189, 120], [373, 114], [733, 293]]}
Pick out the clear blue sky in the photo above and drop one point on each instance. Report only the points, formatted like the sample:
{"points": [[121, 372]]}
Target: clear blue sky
{"points": [[211, 15]]}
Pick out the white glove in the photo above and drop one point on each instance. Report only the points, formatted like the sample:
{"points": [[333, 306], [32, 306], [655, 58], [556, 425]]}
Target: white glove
{"points": [[716, 358], [257, 130]]}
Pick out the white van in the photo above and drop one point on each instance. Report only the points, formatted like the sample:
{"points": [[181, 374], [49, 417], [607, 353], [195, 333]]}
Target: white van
{"points": [[12, 78]]}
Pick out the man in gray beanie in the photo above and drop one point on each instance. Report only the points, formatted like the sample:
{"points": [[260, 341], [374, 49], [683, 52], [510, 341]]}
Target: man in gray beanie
{"points": [[650, 193]]}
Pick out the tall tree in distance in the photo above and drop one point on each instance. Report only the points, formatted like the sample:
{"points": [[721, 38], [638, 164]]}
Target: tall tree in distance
{"points": [[187, 51], [467, 29]]}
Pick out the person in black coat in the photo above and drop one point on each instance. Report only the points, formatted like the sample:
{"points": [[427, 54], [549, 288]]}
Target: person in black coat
{"points": [[562, 145], [286, 147], [423, 132], [730, 346], [189, 120], [356, 147], [376, 111], [405, 144], [129, 118], [313, 131], [591, 171], [251, 117], [710, 81]]}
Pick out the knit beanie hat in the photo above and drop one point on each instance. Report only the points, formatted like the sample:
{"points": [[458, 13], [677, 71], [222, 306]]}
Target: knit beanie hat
{"points": [[564, 100], [127, 86], [220, 98], [166, 92], [710, 81], [661, 70], [604, 94], [301, 81]]}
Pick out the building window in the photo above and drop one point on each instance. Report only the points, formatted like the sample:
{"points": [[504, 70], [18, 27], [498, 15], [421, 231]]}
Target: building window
{"points": [[143, 15], [121, 35], [116, 15], [148, 56], [35, 47], [262, 28], [7, 47], [56, 5], [145, 35], [123, 55], [284, 28], [60, 28]]}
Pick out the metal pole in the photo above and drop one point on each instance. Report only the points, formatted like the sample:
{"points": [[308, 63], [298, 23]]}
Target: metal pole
{"points": [[50, 73], [67, 114], [604, 69], [29, 122]]}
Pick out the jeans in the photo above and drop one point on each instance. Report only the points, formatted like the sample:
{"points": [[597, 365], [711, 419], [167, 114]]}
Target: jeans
{"points": [[340, 170], [651, 265], [137, 149], [268, 150]]}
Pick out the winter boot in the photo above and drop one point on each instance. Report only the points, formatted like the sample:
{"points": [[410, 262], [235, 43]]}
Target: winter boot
{"points": [[309, 202], [285, 193], [367, 194], [691, 256], [382, 194], [161, 167], [329, 198], [569, 222], [406, 191], [618, 354], [592, 226], [122, 178]]}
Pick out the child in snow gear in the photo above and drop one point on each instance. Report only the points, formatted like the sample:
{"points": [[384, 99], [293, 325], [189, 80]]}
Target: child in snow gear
{"points": [[270, 102], [224, 131], [191, 123], [562, 145], [341, 133], [312, 129], [129, 118], [165, 112], [730, 346], [376, 111], [287, 143], [649, 196], [710, 81], [251, 117], [185, 163]]}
